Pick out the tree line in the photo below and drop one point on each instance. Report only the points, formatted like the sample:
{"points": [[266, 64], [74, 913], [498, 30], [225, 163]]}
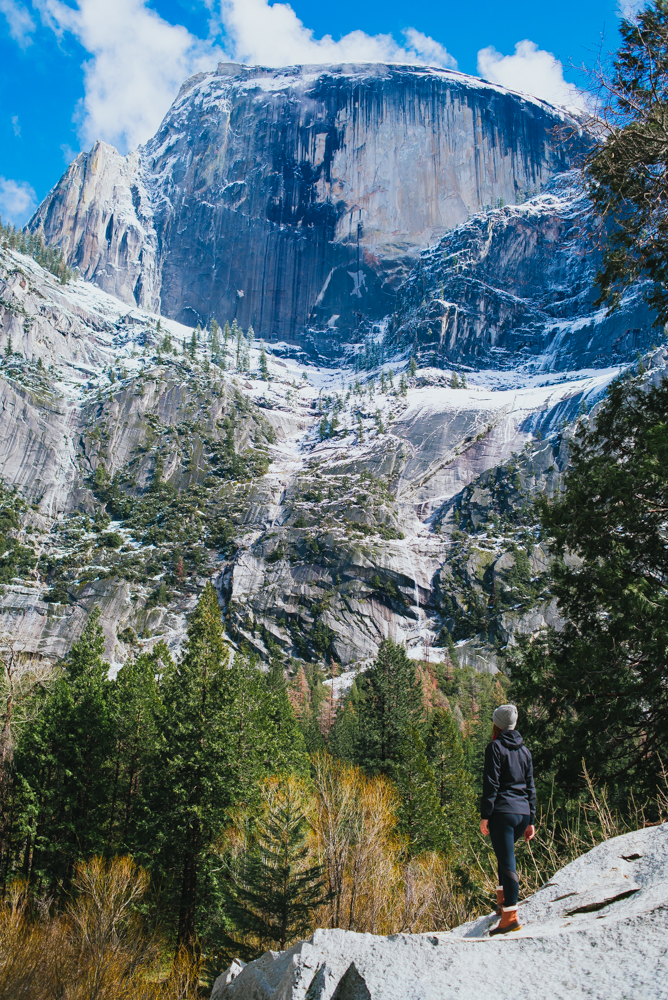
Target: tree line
{"points": [[34, 245], [165, 761]]}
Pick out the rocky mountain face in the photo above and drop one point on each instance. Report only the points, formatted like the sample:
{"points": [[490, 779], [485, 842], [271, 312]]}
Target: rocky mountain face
{"points": [[370, 475], [297, 199], [331, 509], [516, 286]]}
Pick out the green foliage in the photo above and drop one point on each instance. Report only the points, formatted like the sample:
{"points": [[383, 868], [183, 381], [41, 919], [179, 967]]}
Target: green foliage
{"points": [[599, 686], [33, 245], [445, 753], [64, 766], [149, 763], [628, 178], [387, 591], [421, 815], [222, 726], [195, 774], [390, 703], [274, 891], [112, 540], [179, 524], [309, 695], [16, 560], [215, 341]]}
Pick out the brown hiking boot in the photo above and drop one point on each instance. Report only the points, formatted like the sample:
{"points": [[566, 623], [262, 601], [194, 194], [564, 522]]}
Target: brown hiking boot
{"points": [[508, 922], [499, 900]]}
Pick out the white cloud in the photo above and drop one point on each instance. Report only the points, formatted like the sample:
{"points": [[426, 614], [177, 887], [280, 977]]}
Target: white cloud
{"points": [[428, 50], [273, 35], [629, 8], [138, 62], [16, 125], [17, 201], [21, 24], [531, 71], [68, 153]]}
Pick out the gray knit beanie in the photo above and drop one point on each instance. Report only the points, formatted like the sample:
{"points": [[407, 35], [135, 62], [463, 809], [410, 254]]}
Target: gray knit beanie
{"points": [[505, 717]]}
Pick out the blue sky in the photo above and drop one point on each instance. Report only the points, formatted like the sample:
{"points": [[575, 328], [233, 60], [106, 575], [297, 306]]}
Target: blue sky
{"points": [[72, 71]]}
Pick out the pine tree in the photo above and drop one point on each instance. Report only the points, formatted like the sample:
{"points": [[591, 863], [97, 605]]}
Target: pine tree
{"points": [[136, 707], [413, 365], [599, 687], [264, 367], [226, 332], [288, 747], [627, 170], [215, 340], [239, 338], [194, 775], [275, 891], [221, 727], [421, 814], [193, 345], [454, 381], [307, 695], [64, 764], [391, 704], [445, 753]]}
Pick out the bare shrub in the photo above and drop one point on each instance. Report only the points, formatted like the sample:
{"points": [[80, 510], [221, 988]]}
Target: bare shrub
{"points": [[97, 950], [377, 887], [29, 949]]}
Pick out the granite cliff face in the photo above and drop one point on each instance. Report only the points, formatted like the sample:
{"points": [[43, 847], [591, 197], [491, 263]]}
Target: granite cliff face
{"points": [[297, 199], [516, 286], [331, 510], [356, 216]]}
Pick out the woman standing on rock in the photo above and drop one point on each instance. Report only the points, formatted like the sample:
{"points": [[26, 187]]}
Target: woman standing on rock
{"points": [[508, 808]]}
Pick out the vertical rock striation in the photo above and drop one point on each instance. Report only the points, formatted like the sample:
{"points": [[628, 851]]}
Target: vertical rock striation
{"points": [[295, 199]]}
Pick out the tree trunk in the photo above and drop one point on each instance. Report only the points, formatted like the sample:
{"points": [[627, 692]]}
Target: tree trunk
{"points": [[186, 930]]}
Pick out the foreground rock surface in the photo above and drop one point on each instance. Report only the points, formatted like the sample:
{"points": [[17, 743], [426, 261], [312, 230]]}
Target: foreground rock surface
{"points": [[597, 929]]}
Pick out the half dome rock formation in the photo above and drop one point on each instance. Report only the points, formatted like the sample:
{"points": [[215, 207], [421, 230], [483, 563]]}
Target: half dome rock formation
{"points": [[295, 199], [597, 929]]}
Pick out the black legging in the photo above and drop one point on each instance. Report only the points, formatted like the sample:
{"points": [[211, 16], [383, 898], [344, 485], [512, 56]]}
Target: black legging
{"points": [[504, 830]]}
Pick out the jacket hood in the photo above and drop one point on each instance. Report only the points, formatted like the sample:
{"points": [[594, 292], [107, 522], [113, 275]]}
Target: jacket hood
{"points": [[510, 739]]}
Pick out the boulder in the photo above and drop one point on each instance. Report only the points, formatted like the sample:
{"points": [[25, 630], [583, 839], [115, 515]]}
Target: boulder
{"points": [[598, 928]]}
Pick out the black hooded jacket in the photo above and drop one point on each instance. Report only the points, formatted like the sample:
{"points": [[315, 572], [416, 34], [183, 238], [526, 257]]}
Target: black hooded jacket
{"points": [[507, 781]]}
